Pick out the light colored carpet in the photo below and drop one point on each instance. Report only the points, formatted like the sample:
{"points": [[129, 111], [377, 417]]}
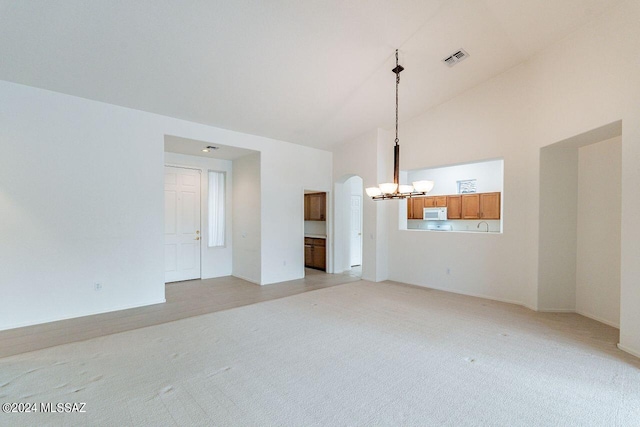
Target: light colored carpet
{"points": [[356, 354]]}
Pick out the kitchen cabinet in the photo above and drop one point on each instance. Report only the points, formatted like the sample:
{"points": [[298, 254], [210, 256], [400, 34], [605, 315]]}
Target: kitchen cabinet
{"points": [[490, 205], [315, 253], [470, 206], [315, 207], [435, 202], [481, 206], [464, 206], [454, 207], [414, 207]]}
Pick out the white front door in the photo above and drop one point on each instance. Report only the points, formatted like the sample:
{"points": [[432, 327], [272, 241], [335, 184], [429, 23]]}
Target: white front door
{"points": [[356, 230], [182, 235]]}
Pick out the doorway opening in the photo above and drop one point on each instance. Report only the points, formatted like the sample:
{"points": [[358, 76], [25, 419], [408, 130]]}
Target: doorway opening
{"points": [[222, 218], [348, 251], [315, 230]]}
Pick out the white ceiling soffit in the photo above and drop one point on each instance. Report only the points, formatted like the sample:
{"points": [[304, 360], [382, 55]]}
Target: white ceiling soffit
{"points": [[312, 73], [193, 147]]}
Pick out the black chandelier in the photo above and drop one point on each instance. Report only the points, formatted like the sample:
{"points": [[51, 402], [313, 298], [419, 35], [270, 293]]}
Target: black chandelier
{"points": [[395, 190]]}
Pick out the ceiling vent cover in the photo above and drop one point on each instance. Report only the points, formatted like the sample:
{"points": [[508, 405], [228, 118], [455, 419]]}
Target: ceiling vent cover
{"points": [[456, 57]]}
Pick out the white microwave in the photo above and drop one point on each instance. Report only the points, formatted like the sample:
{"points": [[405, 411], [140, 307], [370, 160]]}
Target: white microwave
{"points": [[434, 214]]}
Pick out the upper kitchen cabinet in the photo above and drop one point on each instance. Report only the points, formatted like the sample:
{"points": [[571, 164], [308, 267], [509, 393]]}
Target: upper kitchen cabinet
{"points": [[481, 206], [470, 206], [465, 206], [435, 202], [414, 207], [454, 207], [315, 207], [490, 205]]}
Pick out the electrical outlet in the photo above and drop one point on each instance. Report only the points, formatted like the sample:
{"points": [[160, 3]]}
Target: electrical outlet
{"points": [[97, 286]]}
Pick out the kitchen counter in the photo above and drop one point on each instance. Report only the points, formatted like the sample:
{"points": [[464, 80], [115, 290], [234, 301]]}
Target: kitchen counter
{"points": [[316, 236], [453, 231]]}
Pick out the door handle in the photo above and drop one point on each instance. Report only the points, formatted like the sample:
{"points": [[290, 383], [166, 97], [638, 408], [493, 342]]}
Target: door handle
{"points": [[197, 238]]}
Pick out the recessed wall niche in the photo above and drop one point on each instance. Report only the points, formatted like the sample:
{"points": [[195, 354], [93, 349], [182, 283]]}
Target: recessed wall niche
{"points": [[580, 219]]}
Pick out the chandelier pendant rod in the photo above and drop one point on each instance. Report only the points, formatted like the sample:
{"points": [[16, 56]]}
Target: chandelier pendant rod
{"points": [[394, 190], [396, 147]]}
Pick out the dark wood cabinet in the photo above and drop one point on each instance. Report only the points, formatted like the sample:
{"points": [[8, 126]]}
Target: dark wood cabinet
{"points": [[315, 255], [315, 207]]}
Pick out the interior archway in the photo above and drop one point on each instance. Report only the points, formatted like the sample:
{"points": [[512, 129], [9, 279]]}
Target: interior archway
{"points": [[348, 215]]}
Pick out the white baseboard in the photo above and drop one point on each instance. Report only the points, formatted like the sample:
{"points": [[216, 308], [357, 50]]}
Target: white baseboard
{"points": [[75, 316], [246, 279], [635, 353], [556, 310], [581, 313], [469, 294], [598, 319]]}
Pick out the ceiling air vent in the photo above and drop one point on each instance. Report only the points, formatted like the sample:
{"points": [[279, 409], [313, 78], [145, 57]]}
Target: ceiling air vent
{"points": [[455, 58]]}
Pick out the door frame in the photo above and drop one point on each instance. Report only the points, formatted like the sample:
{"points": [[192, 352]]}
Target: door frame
{"points": [[329, 229]]}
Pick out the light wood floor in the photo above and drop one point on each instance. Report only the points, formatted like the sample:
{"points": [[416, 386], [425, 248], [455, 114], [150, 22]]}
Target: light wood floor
{"points": [[184, 299]]}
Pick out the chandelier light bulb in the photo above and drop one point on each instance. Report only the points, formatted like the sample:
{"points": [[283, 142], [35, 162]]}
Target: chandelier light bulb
{"points": [[388, 187], [373, 191], [423, 186]]}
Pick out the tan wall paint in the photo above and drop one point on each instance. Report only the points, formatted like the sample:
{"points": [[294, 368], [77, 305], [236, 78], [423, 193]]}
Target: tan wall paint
{"points": [[599, 219]]}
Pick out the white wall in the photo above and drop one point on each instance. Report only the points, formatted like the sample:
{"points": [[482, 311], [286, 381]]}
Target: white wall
{"points": [[81, 203], [247, 258], [359, 157], [355, 248], [216, 261], [284, 176], [598, 243], [317, 228], [558, 232], [81, 199], [352, 187], [488, 176], [342, 219], [569, 233], [581, 83]]}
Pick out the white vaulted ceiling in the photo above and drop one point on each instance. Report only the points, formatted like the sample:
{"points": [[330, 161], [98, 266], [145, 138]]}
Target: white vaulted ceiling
{"points": [[310, 72]]}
